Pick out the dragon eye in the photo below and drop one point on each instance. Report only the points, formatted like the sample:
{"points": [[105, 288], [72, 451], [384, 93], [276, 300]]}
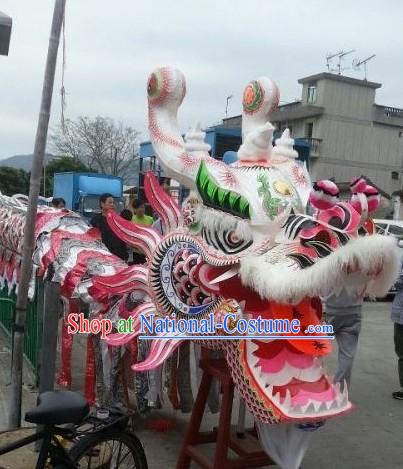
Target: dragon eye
{"points": [[226, 241], [253, 97], [282, 188], [153, 85], [233, 237], [158, 85]]}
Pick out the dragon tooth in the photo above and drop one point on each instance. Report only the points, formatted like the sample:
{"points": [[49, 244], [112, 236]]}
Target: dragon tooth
{"points": [[276, 399], [345, 389], [269, 389], [297, 410], [339, 399], [344, 401], [287, 400], [333, 405], [225, 276], [304, 407], [317, 405], [309, 409], [323, 407], [252, 346]]}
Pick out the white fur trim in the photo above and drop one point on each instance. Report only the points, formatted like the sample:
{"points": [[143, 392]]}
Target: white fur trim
{"points": [[281, 283], [219, 221]]}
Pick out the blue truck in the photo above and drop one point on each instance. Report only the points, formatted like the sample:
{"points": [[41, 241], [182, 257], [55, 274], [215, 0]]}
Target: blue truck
{"points": [[81, 191]]}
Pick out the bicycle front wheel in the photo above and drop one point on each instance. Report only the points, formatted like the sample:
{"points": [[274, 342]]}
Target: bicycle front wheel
{"points": [[109, 450]]}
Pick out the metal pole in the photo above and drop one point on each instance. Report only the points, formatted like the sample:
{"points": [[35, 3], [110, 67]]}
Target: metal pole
{"points": [[29, 231], [44, 178], [226, 106], [51, 310]]}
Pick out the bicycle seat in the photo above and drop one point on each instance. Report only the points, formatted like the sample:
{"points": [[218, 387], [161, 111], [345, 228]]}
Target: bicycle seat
{"points": [[58, 407]]}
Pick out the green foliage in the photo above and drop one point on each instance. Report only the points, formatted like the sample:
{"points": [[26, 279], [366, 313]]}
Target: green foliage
{"points": [[13, 181], [62, 164]]}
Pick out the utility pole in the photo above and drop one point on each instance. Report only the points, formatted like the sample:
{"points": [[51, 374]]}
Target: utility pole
{"points": [[29, 230], [226, 106]]}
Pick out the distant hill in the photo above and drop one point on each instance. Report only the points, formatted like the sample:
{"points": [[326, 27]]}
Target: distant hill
{"points": [[23, 161]]}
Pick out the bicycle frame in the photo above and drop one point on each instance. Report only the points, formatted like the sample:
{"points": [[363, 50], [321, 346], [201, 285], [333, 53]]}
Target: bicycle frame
{"points": [[50, 447]]}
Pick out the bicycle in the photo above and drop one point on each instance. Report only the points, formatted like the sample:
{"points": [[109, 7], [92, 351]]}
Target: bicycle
{"points": [[74, 438]]}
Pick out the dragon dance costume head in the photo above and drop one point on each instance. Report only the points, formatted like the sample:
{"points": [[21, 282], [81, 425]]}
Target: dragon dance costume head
{"points": [[244, 242]]}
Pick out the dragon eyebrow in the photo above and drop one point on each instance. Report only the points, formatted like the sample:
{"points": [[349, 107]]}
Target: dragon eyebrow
{"points": [[215, 197]]}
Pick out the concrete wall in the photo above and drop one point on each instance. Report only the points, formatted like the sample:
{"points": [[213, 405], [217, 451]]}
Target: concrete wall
{"points": [[350, 147], [346, 99]]}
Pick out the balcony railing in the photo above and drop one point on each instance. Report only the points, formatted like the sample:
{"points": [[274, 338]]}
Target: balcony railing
{"points": [[388, 115], [315, 144], [392, 111]]}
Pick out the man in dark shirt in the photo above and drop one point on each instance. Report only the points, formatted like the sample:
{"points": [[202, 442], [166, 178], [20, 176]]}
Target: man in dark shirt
{"points": [[115, 245], [58, 202]]}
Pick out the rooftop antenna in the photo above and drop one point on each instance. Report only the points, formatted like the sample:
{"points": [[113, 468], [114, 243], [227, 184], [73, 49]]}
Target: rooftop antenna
{"points": [[357, 64], [341, 56], [329, 57], [226, 107]]}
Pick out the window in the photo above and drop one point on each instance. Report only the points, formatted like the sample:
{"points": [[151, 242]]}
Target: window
{"points": [[311, 97], [395, 175], [381, 228], [282, 125], [396, 231], [308, 130]]}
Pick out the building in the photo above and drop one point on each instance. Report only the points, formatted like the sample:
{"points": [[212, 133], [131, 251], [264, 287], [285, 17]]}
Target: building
{"points": [[348, 133], [5, 33]]}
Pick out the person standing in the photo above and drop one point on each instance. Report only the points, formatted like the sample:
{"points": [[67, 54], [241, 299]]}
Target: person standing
{"points": [[58, 202], [397, 318], [115, 245], [140, 218], [344, 313]]}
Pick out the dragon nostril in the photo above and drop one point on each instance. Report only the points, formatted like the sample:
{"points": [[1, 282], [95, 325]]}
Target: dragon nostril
{"points": [[322, 236]]}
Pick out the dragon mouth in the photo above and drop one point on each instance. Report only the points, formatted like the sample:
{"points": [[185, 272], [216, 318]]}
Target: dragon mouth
{"points": [[287, 375], [292, 383]]}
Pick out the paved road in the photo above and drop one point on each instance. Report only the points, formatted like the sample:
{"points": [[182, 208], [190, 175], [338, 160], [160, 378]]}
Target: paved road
{"points": [[371, 437]]}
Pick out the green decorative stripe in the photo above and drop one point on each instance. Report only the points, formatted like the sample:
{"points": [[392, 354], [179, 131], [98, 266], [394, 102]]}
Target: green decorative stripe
{"points": [[218, 198], [270, 203]]}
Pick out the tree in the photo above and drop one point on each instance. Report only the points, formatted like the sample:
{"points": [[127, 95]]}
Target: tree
{"points": [[13, 181], [101, 143], [62, 164]]}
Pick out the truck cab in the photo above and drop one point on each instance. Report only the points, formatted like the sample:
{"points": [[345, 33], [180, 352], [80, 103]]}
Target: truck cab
{"points": [[81, 191]]}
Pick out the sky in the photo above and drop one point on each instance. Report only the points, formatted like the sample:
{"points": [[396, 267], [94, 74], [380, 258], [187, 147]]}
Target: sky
{"points": [[220, 45]]}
